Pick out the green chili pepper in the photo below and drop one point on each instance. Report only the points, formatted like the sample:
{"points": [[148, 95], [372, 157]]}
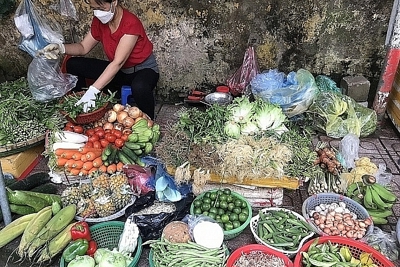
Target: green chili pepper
{"points": [[75, 248]]}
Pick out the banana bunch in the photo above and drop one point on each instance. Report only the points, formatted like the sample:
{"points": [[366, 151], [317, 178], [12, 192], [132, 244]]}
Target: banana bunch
{"points": [[376, 199]]}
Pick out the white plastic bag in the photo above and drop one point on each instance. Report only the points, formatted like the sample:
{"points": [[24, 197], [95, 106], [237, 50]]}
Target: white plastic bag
{"points": [[348, 148]]}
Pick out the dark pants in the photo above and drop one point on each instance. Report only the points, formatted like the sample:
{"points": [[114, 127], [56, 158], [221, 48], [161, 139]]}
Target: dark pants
{"points": [[142, 82]]}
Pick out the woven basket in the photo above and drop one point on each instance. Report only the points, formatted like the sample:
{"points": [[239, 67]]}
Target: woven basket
{"points": [[327, 198], [255, 247], [86, 118], [356, 248], [234, 232], [11, 149], [254, 225], [106, 235]]}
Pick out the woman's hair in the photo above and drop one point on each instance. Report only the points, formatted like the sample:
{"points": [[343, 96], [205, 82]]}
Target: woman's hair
{"points": [[99, 2]]}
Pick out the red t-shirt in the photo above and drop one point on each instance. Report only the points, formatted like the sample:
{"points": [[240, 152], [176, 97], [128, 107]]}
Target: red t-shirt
{"points": [[130, 24]]}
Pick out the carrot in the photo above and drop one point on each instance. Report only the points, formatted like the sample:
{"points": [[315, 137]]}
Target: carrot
{"points": [[83, 158], [76, 156], [91, 155], [77, 164], [112, 168], [85, 150], [61, 161], [87, 165], [60, 151], [67, 154], [97, 162], [83, 172], [103, 169], [74, 171], [69, 163], [119, 166], [92, 170]]}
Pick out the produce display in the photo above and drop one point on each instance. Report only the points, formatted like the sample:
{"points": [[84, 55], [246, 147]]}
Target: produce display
{"points": [[377, 199], [258, 258]]}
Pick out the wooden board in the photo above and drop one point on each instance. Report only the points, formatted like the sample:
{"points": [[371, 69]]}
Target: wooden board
{"points": [[284, 182]]}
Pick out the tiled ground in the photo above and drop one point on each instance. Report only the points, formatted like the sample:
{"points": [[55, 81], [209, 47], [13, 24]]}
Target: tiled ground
{"points": [[382, 147]]}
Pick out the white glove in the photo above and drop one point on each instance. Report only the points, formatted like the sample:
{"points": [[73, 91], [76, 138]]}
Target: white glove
{"points": [[88, 99], [52, 51]]}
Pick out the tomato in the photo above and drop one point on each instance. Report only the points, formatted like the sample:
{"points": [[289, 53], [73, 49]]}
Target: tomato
{"points": [[107, 131], [93, 138], [89, 144], [100, 133], [89, 132], [97, 144], [104, 142], [69, 125], [119, 142], [110, 138], [116, 132], [78, 129], [125, 137], [98, 128], [68, 129]]}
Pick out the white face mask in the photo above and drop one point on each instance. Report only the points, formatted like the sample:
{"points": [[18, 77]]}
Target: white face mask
{"points": [[104, 16]]}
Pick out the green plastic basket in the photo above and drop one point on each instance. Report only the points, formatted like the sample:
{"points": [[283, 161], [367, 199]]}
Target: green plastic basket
{"points": [[106, 235], [234, 232]]}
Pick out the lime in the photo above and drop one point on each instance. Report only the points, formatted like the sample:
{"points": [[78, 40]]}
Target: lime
{"points": [[243, 217], [229, 198], [207, 194], [236, 224], [244, 204], [206, 200], [197, 210], [233, 217], [197, 203], [224, 218], [216, 204], [238, 203], [220, 192], [218, 220], [245, 211], [212, 215], [237, 210], [228, 226], [213, 210], [223, 204], [231, 206], [205, 206], [217, 217], [223, 197], [227, 191], [213, 196], [205, 213], [221, 211]]}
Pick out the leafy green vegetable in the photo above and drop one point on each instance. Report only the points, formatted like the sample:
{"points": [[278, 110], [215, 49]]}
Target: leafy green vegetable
{"points": [[82, 261]]}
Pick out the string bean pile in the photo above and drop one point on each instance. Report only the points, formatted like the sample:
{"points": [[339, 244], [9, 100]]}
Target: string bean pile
{"points": [[189, 254]]}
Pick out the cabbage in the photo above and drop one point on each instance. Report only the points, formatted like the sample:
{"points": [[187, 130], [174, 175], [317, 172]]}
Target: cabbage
{"points": [[107, 258], [82, 261], [100, 253], [232, 129]]}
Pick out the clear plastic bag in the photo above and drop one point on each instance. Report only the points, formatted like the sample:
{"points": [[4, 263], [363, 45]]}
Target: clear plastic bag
{"points": [[383, 175], [348, 148], [35, 30], [46, 81], [66, 8], [217, 237], [385, 243], [247, 71]]}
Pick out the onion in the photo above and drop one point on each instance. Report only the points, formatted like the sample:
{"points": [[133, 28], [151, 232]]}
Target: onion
{"points": [[128, 122], [134, 112], [118, 107], [121, 116], [127, 131], [119, 126], [111, 116], [108, 126], [150, 123]]}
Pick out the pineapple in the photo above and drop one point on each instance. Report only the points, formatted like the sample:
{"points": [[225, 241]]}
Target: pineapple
{"points": [[104, 206], [86, 190], [117, 181], [101, 181], [86, 208], [71, 195], [122, 196]]}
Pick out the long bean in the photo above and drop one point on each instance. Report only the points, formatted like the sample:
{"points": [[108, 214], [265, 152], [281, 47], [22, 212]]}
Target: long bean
{"points": [[167, 254]]}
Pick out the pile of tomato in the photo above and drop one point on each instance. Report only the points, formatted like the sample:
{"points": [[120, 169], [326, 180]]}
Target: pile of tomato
{"points": [[222, 206]]}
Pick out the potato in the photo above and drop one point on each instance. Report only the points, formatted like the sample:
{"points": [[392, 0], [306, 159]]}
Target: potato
{"points": [[176, 232]]}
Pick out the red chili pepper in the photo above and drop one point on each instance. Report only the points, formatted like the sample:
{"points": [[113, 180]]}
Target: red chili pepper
{"points": [[92, 248], [80, 230]]}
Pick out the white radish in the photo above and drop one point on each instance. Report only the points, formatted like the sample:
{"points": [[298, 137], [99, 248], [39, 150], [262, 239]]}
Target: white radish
{"points": [[70, 137], [67, 145]]}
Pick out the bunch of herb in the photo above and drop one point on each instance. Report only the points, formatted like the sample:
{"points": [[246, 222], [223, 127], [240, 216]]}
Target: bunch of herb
{"points": [[68, 103], [204, 126], [22, 117]]}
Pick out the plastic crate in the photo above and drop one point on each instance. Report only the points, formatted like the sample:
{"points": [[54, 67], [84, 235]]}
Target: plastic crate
{"points": [[355, 247], [234, 232], [327, 198], [254, 225], [106, 235], [255, 247]]}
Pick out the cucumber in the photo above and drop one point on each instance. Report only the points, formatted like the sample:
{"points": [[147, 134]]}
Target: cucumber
{"points": [[113, 156], [124, 158], [132, 146], [21, 209], [132, 156], [31, 181]]}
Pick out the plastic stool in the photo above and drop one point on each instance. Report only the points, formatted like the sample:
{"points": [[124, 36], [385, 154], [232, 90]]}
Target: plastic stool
{"points": [[126, 91]]}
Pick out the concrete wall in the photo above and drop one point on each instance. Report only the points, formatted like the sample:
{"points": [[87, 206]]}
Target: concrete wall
{"points": [[199, 44]]}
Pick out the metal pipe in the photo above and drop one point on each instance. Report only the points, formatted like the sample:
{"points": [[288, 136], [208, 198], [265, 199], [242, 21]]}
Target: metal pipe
{"points": [[5, 207]]}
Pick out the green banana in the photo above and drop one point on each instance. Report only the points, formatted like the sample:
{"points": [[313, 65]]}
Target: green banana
{"points": [[384, 193], [379, 220], [377, 199], [380, 213], [355, 189], [368, 203]]}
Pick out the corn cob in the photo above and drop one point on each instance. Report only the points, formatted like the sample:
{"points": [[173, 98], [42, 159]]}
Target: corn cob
{"points": [[14, 229]]}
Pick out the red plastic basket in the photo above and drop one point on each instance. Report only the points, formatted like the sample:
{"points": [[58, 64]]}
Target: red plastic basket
{"points": [[356, 248], [256, 247]]}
